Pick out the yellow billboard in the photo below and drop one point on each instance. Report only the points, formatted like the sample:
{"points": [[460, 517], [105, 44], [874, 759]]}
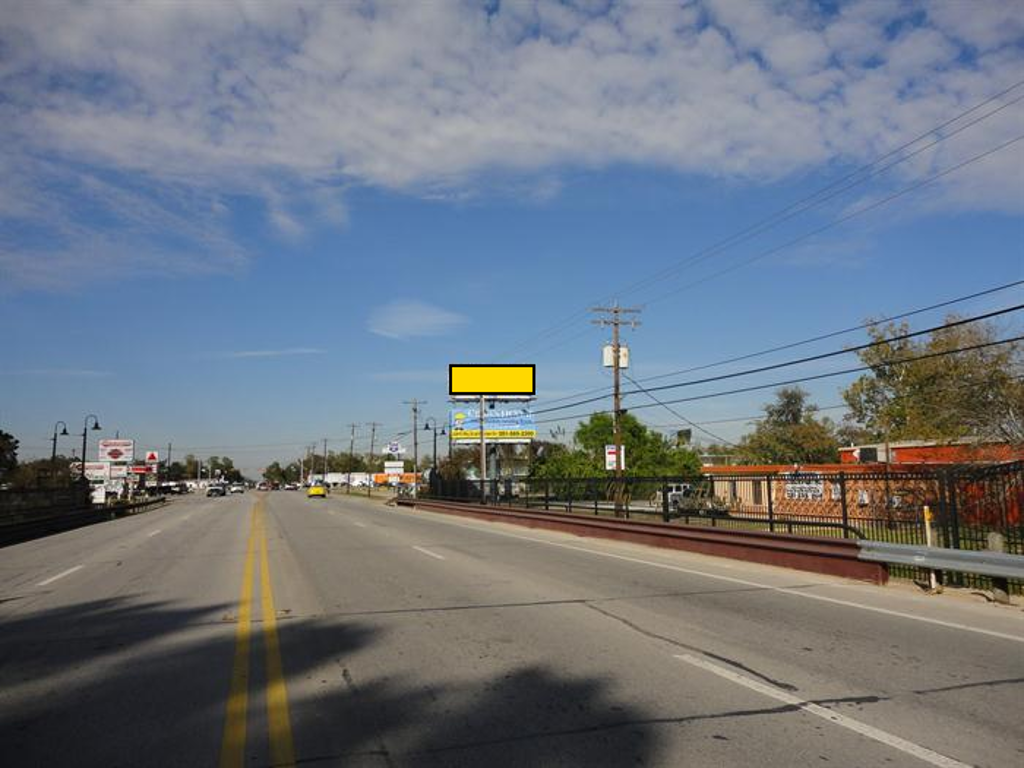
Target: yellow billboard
{"points": [[513, 381]]}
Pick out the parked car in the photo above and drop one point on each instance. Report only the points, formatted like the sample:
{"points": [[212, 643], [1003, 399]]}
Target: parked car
{"points": [[216, 490], [317, 491], [291, 486], [236, 488]]}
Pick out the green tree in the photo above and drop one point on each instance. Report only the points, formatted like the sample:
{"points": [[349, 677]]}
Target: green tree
{"points": [[978, 393], [648, 453], [8, 454], [790, 433]]}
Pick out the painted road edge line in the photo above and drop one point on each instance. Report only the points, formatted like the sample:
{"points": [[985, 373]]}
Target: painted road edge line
{"points": [[60, 575], [154, 533], [282, 748], [485, 527], [876, 734], [428, 552]]}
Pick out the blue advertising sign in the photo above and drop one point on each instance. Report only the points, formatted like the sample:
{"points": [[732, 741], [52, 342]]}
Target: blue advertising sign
{"points": [[501, 425]]}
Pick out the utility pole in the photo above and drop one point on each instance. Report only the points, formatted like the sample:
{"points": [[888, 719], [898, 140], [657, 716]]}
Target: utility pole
{"points": [[614, 317], [373, 438], [351, 456], [415, 442], [167, 462], [483, 452], [325, 462]]}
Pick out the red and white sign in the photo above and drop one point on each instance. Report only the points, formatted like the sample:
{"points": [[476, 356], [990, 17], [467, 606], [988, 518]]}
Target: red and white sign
{"points": [[113, 449], [147, 469], [118, 471], [152, 457], [609, 457]]}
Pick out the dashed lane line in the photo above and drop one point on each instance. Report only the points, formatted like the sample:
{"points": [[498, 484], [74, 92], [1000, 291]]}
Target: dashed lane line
{"points": [[745, 582], [428, 552], [60, 575]]}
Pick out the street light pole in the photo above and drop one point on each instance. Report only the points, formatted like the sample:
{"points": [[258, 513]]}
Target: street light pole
{"points": [[63, 432], [85, 434]]}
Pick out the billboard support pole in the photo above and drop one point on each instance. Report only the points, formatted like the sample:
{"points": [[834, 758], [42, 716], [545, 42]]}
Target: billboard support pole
{"points": [[483, 452]]}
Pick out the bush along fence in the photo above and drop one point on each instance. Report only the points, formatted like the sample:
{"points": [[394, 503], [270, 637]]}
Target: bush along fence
{"points": [[973, 507]]}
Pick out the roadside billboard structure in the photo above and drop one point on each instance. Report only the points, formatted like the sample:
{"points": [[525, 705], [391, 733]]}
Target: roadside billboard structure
{"points": [[482, 382]]}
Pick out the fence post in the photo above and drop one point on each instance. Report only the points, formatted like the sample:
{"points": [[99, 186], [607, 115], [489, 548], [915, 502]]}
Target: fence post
{"points": [[846, 511], [547, 495], [1000, 585], [592, 487], [664, 500], [572, 492], [771, 504]]}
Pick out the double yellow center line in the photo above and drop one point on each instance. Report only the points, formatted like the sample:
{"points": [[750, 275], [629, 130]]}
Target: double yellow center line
{"points": [[282, 751]]}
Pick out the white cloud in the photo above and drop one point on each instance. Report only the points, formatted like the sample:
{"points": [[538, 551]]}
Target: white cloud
{"points": [[188, 103], [273, 352], [406, 319], [61, 373], [415, 375]]}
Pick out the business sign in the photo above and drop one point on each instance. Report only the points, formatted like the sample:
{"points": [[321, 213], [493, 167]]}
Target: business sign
{"points": [[143, 469], [804, 486], [510, 382], [152, 457], [609, 456], [113, 449], [118, 471], [394, 448], [95, 471], [394, 467], [501, 425]]}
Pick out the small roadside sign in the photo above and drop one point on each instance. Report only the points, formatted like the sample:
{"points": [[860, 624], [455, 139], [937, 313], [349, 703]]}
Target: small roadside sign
{"points": [[609, 457], [152, 457]]}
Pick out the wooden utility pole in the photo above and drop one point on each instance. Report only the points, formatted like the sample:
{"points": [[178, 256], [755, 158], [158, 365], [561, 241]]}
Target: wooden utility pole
{"points": [[415, 442], [351, 456], [614, 317], [369, 465]]}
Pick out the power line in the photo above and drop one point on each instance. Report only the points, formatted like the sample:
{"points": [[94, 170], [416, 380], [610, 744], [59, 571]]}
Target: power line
{"points": [[807, 202], [811, 340], [799, 361], [816, 377], [677, 414]]}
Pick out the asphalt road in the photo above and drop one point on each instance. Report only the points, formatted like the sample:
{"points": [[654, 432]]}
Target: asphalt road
{"points": [[272, 629]]}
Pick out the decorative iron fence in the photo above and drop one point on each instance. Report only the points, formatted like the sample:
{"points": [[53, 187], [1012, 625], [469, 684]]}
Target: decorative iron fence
{"points": [[968, 503]]}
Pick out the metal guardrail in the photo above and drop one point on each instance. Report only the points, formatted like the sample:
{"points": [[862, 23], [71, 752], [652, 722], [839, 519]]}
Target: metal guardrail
{"points": [[982, 562]]}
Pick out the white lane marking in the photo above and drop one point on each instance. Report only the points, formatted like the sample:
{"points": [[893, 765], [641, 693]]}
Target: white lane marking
{"points": [[154, 533], [361, 525], [428, 552], [883, 737], [745, 582], [60, 575]]}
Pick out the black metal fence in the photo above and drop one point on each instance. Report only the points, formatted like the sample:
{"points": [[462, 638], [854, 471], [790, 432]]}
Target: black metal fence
{"points": [[965, 507]]}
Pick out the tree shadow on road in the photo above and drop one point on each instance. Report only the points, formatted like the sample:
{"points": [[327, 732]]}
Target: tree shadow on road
{"points": [[117, 682]]}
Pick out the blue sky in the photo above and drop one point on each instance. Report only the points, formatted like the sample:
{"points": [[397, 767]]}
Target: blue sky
{"points": [[240, 227]]}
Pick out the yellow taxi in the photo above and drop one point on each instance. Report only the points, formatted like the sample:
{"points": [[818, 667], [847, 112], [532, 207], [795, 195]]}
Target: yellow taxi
{"points": [[316, 491]]}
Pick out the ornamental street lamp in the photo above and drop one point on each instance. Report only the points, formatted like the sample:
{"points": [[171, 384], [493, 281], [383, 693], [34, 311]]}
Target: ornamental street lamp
{"points": [[63, 433], [430, 425], [85, 433]]}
